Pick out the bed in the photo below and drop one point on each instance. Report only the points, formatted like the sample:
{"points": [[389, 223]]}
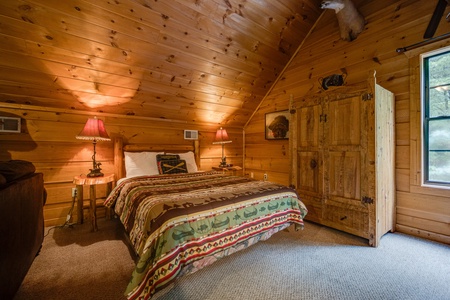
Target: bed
{"points": [[185, 219]]}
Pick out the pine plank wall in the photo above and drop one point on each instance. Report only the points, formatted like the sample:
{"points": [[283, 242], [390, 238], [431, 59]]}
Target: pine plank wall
{"points": [[48, 139], [419, 211]]}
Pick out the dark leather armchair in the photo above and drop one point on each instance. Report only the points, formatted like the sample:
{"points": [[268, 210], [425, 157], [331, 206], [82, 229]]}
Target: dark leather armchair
{"points": [[22, 197]]}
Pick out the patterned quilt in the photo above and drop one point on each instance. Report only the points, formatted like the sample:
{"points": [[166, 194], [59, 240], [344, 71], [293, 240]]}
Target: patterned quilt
{"points": [[179, 223]]}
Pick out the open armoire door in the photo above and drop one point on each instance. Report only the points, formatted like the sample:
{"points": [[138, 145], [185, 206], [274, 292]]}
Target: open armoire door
{"points": [[342, 158]]}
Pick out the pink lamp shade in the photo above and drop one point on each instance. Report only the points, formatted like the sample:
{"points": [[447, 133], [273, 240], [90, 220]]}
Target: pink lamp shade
{"points": [[221, 137], [94, 130]]}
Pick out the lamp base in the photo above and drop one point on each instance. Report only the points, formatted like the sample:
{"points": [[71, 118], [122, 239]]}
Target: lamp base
{"points": [[223, 163], [95, 173]]}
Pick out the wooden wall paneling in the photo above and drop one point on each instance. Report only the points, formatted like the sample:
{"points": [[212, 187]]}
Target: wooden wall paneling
{"points": [[48, 140], [414, 219], [423, 233], [439, 220], [64, 172], [61, 192], [269, 164], [402, 133], [426, 203], [422, 211], [278, 177], [390, 26], [415, 117], [55, 215], [257, 137], [273, 157], [352, 51], [401, 110], [402, 180], [402, 157]]}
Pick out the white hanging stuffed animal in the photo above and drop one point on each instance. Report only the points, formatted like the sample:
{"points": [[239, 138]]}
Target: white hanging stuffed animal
{"points": [[351, 22]]}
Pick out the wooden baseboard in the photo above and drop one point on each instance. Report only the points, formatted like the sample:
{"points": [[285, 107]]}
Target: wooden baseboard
{"points": [[423, 234]]}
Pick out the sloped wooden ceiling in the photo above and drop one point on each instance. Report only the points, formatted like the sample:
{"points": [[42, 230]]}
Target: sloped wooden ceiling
{"points": [[191, 60]]}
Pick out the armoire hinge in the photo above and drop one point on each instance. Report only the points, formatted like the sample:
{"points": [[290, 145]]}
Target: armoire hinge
{"points": [[367, 96], [366, 199]]}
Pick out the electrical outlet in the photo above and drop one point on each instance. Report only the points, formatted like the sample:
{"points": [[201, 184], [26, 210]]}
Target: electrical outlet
{"points": [[74, 192], [251, 174], [265, 176]]}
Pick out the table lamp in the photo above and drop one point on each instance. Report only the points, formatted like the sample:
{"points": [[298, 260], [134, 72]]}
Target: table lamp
{"points": [[222, 138], [94, 131]]}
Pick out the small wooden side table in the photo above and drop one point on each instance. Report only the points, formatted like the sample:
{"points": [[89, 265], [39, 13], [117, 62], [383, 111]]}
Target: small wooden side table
{"points": [[232, 169], [82, 180]]}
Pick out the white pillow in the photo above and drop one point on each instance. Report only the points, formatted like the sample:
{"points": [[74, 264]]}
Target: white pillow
{"points": [[189, 157], [141, 163]]}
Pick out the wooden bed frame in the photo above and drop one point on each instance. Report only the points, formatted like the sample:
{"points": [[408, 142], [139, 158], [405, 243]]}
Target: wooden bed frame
{"points": [[120, 148]]}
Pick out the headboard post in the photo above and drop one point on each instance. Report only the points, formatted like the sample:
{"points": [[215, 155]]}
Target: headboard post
{"points": [[118, 158], [197, 153]]}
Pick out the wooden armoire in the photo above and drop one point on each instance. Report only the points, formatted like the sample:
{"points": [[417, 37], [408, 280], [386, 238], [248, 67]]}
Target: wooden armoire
{"points": [[342, 158]]}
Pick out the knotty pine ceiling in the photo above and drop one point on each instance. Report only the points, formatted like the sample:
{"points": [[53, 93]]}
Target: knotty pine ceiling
{"points": [[191, 60]]}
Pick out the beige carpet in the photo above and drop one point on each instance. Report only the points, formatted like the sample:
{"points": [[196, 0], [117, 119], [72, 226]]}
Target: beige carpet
{"points": [[316, 263], [75, 263]]}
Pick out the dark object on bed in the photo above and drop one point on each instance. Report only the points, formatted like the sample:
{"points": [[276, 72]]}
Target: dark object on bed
{"points": [[22, 197], [171, 164]]}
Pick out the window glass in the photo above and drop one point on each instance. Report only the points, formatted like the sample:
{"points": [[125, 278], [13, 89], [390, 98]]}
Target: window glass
{"points": [[440, 105], [439, 150], [436, 118]]}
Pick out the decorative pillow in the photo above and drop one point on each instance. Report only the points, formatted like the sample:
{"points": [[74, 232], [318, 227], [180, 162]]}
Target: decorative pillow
{"points": [[141, 163], [173, 166], [14, 169], [189, 157], [161, 157]]}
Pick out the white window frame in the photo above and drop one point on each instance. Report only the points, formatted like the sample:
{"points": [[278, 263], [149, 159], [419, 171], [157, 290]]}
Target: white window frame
{"points": [[423, 56]]}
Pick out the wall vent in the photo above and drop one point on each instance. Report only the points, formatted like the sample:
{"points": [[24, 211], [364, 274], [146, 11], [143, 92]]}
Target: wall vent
{"points": [[191, 134], [8, 124]]}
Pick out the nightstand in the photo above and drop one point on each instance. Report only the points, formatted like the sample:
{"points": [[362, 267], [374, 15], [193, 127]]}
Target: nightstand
{"points": [[92, 182], [234, 169]]}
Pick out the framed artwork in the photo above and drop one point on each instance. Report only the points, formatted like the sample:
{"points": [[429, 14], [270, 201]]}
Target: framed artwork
{"points": [[277, 125]]}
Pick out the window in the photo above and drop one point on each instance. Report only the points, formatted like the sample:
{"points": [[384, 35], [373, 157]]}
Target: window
{"points": [[436, 118]]}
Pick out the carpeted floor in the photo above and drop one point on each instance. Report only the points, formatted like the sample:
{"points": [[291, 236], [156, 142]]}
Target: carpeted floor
{"points": [[316, 263]]}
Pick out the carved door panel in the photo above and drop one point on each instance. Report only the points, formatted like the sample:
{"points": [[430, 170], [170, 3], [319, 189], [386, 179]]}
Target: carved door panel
{"points": [[344, 141], [309, 160]]}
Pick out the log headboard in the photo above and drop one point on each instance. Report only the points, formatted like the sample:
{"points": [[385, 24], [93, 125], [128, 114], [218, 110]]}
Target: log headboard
{"points": [[120, 148]]}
